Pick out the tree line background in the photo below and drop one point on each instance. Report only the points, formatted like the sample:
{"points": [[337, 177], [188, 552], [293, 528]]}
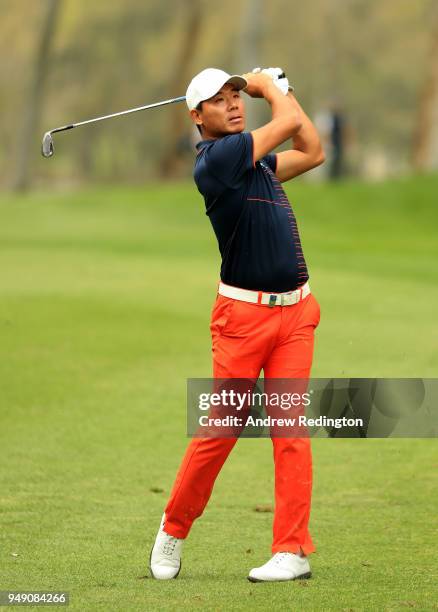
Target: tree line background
{"points": [[63, 61]]}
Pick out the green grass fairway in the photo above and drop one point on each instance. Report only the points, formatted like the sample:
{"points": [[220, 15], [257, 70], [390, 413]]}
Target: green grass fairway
{"points": [[105, 299]]}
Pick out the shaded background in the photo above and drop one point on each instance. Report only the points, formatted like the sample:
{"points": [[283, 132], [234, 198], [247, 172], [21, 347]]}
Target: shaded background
{"points": [[63, 61]]}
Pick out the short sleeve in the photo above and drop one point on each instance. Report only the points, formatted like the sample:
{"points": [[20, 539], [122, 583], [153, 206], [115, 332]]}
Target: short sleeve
{"points": [[229, 158], [271, 160]]}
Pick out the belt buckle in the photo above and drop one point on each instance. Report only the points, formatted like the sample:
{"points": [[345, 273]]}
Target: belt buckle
{"points": [[272, 300]]}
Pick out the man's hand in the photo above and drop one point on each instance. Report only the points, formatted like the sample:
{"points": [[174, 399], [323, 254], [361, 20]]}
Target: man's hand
{"points": [[259, 84], [278, 77]]}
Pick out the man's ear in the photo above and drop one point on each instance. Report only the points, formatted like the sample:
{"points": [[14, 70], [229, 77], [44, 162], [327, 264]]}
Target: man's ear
{"points": [[196, 117]]}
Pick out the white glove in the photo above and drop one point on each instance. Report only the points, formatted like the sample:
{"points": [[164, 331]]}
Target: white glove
{"points": [[281, 82]]}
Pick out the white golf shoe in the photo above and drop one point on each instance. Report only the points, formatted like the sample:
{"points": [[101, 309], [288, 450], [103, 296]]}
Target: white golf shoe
{"points": [[165, 560], [282, 566]]}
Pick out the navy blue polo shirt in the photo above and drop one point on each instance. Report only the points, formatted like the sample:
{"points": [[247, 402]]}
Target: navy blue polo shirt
{"points": [[251, 216]]}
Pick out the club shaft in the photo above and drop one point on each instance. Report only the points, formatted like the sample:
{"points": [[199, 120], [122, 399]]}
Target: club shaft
{"points": [[119, 114]]}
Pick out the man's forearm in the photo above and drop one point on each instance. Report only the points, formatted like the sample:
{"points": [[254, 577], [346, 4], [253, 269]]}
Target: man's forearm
{"points": [[282, 106], [306, 139]]}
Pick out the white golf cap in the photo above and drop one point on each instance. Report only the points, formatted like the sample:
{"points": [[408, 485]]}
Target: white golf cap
{"points": [[208, 82]]}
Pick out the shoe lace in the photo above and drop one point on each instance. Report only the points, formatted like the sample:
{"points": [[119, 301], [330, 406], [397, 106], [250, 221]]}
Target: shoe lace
{"points": [[279, 557], [169, 545]]}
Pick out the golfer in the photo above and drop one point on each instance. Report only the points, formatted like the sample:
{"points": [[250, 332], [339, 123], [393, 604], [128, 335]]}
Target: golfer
{"points": [[264, 316]]}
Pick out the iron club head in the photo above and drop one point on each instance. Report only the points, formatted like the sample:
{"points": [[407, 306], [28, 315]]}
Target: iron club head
{"points": [[47, 145]]}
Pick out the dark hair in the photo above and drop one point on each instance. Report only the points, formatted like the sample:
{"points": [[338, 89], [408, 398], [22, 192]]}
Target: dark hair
{"points": [[199, 108]]}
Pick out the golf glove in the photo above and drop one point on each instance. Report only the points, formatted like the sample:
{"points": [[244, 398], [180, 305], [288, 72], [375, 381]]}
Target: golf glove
{"points": [[279, 78]]}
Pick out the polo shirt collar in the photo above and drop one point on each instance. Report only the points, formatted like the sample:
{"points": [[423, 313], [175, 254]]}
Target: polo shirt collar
{"points": [[202, 143]]}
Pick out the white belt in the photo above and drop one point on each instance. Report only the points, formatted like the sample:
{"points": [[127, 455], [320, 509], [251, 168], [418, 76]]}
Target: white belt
{"points": [[269, 299]]}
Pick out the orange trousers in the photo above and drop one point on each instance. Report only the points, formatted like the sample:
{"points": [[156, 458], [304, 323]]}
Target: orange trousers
{"points": [[247, 338]]}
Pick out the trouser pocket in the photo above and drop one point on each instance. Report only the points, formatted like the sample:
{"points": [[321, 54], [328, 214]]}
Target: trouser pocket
{"points": [[221, 315]]}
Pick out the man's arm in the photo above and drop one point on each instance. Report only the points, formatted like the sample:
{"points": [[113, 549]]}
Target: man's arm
{"points": [[286, 116], [307, 152]]}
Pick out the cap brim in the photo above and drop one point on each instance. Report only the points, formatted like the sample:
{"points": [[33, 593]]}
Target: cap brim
{"points": [[235, 79], [238, 81]]}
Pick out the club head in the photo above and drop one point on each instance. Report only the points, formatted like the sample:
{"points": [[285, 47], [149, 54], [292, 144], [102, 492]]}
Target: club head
{"points": [[47, 145]]}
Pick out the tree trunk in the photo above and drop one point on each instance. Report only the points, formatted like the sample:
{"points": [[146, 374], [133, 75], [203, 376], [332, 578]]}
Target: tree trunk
{"points": [[178, 120], [426, 130], [27, 140], [251, 32]]}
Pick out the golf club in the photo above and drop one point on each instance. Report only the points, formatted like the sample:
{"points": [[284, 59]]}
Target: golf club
{"points": [[47, 149]]}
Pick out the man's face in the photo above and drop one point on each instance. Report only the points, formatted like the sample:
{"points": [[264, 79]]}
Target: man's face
{"points": [[222, 114]]}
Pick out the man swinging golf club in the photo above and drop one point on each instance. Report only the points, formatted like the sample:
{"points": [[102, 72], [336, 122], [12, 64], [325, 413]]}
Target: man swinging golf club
{"points": [[264, 316]]}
